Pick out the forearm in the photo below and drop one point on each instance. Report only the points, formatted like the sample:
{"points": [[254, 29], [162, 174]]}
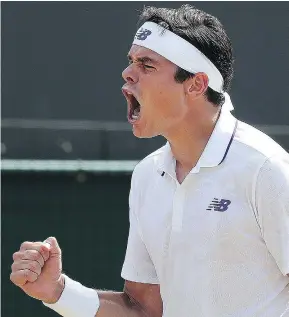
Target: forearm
{"points": [[118, 304], [111, 304]]}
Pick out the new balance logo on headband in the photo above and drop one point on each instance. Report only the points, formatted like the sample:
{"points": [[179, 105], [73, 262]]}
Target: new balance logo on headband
{"points": [[219, 205], [142, 34]]}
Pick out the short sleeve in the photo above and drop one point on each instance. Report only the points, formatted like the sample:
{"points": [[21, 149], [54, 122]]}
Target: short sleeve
{"points": [[272, 203], [138, 266]]}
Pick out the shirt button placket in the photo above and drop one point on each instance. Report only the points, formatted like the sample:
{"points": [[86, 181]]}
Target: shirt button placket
{"points": [[178, 208]]}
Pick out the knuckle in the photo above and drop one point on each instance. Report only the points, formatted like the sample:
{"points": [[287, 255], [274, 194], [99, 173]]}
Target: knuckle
{"points": [[43, 248], [13, 266], [31, 254], [12, 277], [18, 256], [44, 252], [26, 254], [31, 266], [34, 266], [35, 255], [31, 276], [24, 245], [27, 273], [40, 261]]}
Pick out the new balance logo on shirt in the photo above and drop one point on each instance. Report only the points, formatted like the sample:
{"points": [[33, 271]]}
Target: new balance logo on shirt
{"points": [[219, 204]]}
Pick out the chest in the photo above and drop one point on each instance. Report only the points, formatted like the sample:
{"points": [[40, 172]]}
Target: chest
{"points": [[199, 218]]}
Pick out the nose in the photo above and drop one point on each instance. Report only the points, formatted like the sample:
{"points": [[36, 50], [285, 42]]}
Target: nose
{"points": [[129, 75]]}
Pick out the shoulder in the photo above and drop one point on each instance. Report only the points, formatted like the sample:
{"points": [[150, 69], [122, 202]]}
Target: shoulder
{"points": [[264, 157], [252, 143], [147, 167], [149, 163]]}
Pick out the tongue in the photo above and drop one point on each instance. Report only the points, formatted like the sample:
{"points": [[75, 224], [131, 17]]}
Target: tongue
{"points": [[136, 111], [135, 115]]}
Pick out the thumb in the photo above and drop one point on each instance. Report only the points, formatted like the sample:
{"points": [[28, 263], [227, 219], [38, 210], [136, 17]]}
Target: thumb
{"points": [[52, 245]]}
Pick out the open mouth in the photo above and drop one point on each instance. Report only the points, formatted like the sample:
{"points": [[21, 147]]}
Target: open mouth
{"points": [[133, 106]]}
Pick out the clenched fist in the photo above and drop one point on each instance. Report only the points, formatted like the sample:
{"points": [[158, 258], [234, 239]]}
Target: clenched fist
{"points": [[37, 270]]}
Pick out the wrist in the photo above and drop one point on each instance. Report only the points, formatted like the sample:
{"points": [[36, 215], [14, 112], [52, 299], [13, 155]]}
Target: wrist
{"points": [[57, 292], [75, 300]]}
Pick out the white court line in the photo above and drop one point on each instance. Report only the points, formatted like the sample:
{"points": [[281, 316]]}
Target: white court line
{"points": [[88, 125], [91, 125], [97, 166]]}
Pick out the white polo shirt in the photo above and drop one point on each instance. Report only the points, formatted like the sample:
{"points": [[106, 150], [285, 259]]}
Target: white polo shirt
{"points": [[218, 244]]}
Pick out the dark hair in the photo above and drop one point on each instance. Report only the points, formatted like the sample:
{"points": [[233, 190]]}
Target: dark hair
{"points": [[202, 30]]}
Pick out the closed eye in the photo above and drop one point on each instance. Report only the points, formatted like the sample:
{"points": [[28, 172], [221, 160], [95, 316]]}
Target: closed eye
{"points": [[148, 66], [142, 64]]}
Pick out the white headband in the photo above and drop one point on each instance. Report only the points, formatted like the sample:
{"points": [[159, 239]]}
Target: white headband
{"points": [[181, 53], [178, 51]]}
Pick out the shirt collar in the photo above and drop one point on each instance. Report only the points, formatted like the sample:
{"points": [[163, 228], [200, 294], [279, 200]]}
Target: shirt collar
{"points": [[215, 151]]}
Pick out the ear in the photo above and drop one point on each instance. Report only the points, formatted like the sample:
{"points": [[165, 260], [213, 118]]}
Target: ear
{"points": [[196, 86]]}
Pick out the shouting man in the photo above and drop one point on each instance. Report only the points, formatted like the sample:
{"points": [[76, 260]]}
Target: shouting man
{"points": [[209, 211]]}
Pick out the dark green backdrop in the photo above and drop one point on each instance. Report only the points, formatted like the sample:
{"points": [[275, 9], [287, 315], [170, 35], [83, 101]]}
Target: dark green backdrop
{"points": [[88, 214]]}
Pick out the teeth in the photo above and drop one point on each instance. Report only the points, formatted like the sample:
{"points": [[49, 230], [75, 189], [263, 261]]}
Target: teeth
{"points": [[134, 116]]}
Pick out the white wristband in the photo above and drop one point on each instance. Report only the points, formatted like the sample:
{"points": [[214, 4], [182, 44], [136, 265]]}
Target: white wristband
{"points": [[76, 300]]}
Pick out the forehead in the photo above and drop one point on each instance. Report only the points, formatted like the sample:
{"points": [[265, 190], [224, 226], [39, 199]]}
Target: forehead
{"points": [[137, 51]]}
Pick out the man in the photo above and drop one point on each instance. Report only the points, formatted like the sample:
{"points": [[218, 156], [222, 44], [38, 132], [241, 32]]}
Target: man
{"points": [[209, 211]]}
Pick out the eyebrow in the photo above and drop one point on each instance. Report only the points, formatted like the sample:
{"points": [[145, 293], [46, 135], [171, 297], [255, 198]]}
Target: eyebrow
{"points": [[144, 59]]}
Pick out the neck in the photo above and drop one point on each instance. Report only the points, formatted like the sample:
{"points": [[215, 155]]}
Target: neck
{"points": [[189, 139]]}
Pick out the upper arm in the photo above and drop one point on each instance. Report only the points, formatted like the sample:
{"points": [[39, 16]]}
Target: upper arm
{"points": [[272, 202], [147, 296], [141, 281], [138, 265]]}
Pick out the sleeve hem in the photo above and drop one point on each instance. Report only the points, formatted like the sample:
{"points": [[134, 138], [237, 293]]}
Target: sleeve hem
{"points": [[139, 279]]}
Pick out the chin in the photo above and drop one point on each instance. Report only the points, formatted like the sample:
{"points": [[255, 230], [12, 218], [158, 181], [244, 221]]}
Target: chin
{"points": [[143, 134]]}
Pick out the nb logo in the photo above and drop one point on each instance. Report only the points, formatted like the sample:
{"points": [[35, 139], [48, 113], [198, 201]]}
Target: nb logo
{"points": [[142, 34], [219, 205]]}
